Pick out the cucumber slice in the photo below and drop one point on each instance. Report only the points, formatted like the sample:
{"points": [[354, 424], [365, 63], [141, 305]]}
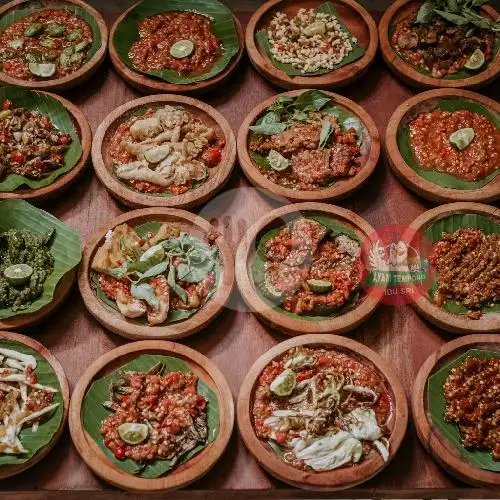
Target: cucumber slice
{"points": [[475, 61], [18, 274], [133, 433], [319, 286], [462, 138], [181, 49], [44, 70], [284, 383]]}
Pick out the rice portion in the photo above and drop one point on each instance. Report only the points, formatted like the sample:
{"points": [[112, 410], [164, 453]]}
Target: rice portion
{"points": [[310, 41]]}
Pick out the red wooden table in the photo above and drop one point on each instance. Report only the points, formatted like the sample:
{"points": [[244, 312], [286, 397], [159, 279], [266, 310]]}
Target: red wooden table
{"points": [[236, 338]]}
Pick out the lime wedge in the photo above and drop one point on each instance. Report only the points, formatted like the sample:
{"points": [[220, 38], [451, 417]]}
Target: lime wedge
{"points": [[18, 274], [476, 60], [45, 70], [153, 255], [462, 138], [284, 383], [277, 161], [133, 433], [181, 49], [319, 286]]}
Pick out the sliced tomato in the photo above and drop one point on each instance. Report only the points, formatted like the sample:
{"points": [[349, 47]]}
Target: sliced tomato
{"points": [[6, 104]]}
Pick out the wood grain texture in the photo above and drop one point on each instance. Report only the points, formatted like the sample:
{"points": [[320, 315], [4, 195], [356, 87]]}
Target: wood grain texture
{"points": [[185, 473], [58, 187], [217, 176], [409, 110], [236, 338], [151, 85], [370, 153], [455, 323], [435, 443], [357, 20], [76, 78], [134, 329], [338, 479], [403, 8], [12, 470], [276, 319]]}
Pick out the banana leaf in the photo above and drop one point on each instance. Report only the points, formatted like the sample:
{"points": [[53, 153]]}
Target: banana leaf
{"points": [[327, 8], [65, 247], [444, 179], [35, 5], [93, 413], [436, 405], [173, 316], [60, 118], [449, 225], [459, 75], [223, 27], [35, 441], [257, 269]]}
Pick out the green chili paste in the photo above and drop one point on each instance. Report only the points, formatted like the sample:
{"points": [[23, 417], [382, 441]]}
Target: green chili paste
{"points": [[24, 247]]}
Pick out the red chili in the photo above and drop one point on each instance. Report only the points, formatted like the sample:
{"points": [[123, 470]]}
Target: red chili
{"points": [[6, 104], [7, 65], [40, 165], [120, 452], [64, 139], [305, 375], [17, 157], [58, 158], [212, 156]]}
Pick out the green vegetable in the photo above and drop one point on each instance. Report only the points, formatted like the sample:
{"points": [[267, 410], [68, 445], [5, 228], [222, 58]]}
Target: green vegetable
{"points": [[18, 274], [277, 161], [48, 43], [182, 49], [65, 57], [269, 128], [319, 286], [74, 35], [154, 254], [462, 138], [55, 29], [80, 47], [33, 29], [476, 60], [93, 413], [223, 27], [326, 132], [177, 289], [327, 8], [145, 291], [33, 57]]}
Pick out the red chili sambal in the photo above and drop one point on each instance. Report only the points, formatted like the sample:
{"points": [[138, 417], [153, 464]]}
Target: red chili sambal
{"points": [[430, 143], [57, 39], [158, 33]]}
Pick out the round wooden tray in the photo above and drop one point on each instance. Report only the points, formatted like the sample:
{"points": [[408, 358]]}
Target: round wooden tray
{"points": [[103, 164], [437, 445], [410, 109], [357, 20], [488, 323], [12, 470], [79, 76], [180, 476], [369, 155], [133, 329], [47, 193], [286, 324], [330, 480], [403, 8], [151, 85], [26, 321]]}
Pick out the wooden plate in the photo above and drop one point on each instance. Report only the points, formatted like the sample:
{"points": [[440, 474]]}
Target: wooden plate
{"points": [[103, 164], [180, 476], [276, 319], [357, 20], [488, 323], [133, 329], [370, 153], [47, 193], [79, 76], [409, 110], [341, 478], [403, 8], [27, 321], [436, 444], [151, 85], [12, 470]]}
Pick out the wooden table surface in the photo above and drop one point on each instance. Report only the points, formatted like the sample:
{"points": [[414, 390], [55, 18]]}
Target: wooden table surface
{"points": [[236, 338]]}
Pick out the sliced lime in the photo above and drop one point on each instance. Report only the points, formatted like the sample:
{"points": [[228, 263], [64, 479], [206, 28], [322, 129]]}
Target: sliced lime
{"points": [[277, 161], [284, 383], [476, 60], [133, 433], [315, 28], [319, 286], [18, 274], [153, 255], [462, 138], [45, 70], [181, 49]]}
